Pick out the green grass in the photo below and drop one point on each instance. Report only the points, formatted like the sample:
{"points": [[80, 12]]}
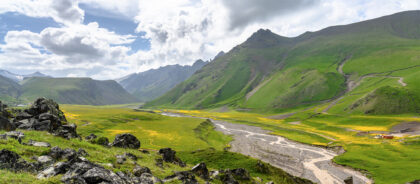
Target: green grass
{"points": [[153, 130], [385, 161], [185, 135]]}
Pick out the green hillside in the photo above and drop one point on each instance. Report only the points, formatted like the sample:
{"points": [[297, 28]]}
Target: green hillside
{"points": [[341, 65], [151, 84], [9, 90], [76, 91]]}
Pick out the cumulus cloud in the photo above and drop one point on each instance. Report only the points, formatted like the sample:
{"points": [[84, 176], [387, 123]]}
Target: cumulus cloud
{"points": [[180, 31], [62, 11], [67, 11], [244, 12]]}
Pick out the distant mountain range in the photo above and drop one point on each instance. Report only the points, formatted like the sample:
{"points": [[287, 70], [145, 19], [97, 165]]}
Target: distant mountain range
{"points": [[84, 91], [370, 67], [141, 87], [18, 78], [153, 83]]}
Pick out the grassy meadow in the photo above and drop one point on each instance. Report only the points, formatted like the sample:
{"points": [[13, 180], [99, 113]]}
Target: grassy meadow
{"points": [[195, 140], [385, 161]]}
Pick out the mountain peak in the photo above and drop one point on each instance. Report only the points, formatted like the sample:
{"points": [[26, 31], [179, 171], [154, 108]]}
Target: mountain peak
{"points": [[264, 38]]}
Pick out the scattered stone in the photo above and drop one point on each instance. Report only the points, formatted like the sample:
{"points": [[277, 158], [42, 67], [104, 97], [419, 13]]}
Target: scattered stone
{"points": [[58, 168], [126, 141], [149, 179], [414, 182], [14, 135], [121, 159], [100, 175], [168, 155], [201, 170], [184, 176], [240, 174], [159, 162], [22, 116], [227, 178], [67, 131], [349, 180], [90, 137], [45, 160], [82, 152], [145, 151], [131, 156], [270, 182], [57, 153], [139, 170], [38, 144]]}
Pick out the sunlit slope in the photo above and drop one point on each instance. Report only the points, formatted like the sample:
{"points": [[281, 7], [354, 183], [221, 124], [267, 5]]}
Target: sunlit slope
{"points": [[270, 72], [9, 90], [76, 91]]}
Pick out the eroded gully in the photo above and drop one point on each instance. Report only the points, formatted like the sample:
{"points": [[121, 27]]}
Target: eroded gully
{"points": [[301, 160]]}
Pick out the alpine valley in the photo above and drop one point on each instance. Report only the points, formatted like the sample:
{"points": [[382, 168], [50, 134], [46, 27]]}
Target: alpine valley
{"points": [[336, 106]]}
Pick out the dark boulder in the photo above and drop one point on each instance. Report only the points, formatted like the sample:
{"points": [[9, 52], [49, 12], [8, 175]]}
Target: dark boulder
{"points": [[5, 124], [22, 116], [184, 176], [67, 131], [240, 174], [57, 153], [101, 141], [99, 174], [349, 180], [227, 178], [43, 105], [139, 170], [126, 141], [232, 176], [147, 178], [44, 115], [91, 137], [12, 161], [169, 155], [201, 170], [414, 182]]}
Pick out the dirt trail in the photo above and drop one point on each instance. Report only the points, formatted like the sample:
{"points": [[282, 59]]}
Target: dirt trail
{"points": [[351, 85], [302, 160]]}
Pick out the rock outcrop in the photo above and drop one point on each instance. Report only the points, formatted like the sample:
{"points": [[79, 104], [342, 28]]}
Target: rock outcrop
{"points": [[43, 115], [126, 141], [168, 155]]}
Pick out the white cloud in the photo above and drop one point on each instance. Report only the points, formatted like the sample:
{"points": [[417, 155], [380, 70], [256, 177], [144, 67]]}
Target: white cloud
{"points": [[180, 31], [62, 11]]}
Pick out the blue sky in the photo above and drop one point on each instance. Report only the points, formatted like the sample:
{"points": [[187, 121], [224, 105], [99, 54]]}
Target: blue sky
{"points": [[108, 39]]}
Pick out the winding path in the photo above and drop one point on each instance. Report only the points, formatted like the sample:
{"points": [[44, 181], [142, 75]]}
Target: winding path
{"points": [[351, 85], [302, 160]]}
